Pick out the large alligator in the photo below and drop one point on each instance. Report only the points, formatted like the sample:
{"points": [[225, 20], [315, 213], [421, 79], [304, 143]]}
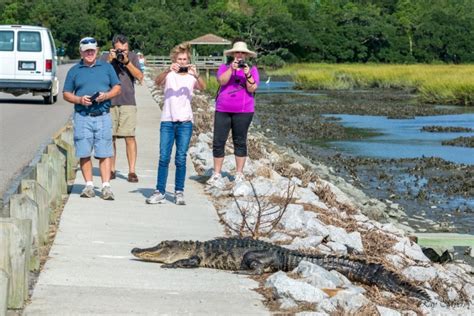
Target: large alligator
{"points": [[257, 257]]}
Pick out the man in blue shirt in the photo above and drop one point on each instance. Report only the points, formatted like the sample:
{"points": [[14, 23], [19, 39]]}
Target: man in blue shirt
{"points": [[90, 85]]}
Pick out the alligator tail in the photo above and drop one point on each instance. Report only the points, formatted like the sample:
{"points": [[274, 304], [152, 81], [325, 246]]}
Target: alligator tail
{"points": [[362, 271]]}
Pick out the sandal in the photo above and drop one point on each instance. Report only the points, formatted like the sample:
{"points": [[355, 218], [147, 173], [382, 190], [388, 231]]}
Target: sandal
{"points": [[132, 177]]}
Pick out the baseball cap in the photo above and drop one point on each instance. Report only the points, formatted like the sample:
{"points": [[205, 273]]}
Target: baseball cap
{"points": [[87, 43]]}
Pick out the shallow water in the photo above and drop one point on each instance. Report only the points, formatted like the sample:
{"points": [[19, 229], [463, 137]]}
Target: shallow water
{"points": [[403, 138], [430, 205]]}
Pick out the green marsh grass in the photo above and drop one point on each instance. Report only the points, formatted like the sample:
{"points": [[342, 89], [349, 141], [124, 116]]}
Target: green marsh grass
{"points": [[444, 84]]}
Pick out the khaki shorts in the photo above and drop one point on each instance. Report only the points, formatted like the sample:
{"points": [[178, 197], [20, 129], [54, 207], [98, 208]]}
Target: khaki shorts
{"points": [[124, 119]]}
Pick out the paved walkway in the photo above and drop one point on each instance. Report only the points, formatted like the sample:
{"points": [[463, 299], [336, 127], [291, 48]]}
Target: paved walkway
{"points": [[91, 270]]}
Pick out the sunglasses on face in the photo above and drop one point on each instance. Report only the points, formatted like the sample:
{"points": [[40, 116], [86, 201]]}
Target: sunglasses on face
{"points": [[88, 40]]}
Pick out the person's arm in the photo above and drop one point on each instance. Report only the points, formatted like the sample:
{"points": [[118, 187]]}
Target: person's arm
{"points": [[133, 69], [200, 83], [72, 98], [161, 78], [250, 80], [224, 78]]}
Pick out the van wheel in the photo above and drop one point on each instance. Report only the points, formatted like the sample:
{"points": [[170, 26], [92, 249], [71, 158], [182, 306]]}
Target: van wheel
{"points": [[48, 99], [55, 98]]}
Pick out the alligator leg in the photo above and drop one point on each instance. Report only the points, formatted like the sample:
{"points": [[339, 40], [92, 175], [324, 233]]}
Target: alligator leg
{"points": [[192, 262], [257, 261]]}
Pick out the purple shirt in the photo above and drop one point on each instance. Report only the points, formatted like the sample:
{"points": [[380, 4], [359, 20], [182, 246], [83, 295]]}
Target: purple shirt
{"points": [[233, 97]]}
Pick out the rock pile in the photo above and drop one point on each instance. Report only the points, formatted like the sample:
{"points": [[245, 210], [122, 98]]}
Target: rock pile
{"points": [[288, 201]]}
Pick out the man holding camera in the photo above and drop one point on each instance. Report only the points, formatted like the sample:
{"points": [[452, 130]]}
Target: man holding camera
{"points": [[90, 85], [124, 109]]}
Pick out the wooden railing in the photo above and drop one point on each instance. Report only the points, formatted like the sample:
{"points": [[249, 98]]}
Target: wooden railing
{"points": [[201, 62]]}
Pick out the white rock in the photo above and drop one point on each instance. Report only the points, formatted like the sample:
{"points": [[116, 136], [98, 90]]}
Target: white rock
{"points": [[384, 311], [204, 137], [391, 228], [337, 248], [341, 197], [344, 280], [327, 306], [410, 250], [293, 219], [452, 294], [205, 157], [296, 166], [317, 276], [305, 243], [314, 226], [352, 240], [307, 196], [233, 216], [287, 303], [349, 301], [324, 249], [396, 260], [468, 289], [296, 181], [274, 157], [421, 274], [361, 218], [242, 189], [280, 237], [283, 286], [312, 314]]}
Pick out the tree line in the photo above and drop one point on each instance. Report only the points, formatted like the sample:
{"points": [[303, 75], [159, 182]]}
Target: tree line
{"points": [[335, 31]]}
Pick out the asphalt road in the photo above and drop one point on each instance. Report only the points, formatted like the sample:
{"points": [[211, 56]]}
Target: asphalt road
{"points": [[26, 124]]}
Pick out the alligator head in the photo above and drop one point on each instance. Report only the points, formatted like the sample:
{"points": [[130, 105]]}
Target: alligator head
{"points": [[167, 251]]}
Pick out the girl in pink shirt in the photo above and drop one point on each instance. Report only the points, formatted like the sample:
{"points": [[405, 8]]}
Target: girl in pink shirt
{"points": [[235, 105], [176, 120]]}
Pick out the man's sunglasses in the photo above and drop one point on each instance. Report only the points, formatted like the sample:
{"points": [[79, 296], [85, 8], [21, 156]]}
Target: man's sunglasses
{"points": [[89, 40]]}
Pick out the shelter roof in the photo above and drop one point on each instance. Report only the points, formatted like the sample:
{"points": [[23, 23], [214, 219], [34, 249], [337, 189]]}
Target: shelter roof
{"points": [[209, 39]]}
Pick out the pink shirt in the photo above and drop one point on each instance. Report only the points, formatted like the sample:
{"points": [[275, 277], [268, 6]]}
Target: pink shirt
{"points": [[178, 94], [233, 97]]}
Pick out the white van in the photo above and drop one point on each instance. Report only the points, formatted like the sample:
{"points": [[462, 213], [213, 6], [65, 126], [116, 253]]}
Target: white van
{"points": [[28, 62]]}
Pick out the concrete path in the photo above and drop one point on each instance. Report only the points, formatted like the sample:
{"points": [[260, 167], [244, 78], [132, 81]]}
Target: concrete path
{"points": [[91, 270]]}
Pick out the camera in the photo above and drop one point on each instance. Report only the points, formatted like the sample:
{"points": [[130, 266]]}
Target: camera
{"points": [[241, 64], [182, 69], [94, 97], [119, 55]]}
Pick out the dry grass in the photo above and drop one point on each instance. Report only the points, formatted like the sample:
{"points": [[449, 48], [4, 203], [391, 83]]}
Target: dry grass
{"points": [[439, 286], [376, 243], [397, 302]]}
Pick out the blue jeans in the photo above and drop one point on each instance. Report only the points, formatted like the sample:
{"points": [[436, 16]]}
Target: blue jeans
{"points": [[169, 133]]}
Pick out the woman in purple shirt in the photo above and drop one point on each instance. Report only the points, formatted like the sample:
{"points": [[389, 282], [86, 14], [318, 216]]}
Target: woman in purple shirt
{"points": [[235, 105]]}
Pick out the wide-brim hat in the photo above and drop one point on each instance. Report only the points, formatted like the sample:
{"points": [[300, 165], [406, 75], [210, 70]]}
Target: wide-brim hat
{"points": [[240, 47]]}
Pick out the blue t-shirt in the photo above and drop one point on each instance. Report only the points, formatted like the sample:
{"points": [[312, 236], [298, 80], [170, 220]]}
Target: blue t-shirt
{"points": [[84, 80]]}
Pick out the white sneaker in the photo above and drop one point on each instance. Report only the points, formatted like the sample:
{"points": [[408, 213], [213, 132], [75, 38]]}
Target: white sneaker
{"points": [[179, 198], [216, 180], [239, 178], [88, 192], [156, 198]]}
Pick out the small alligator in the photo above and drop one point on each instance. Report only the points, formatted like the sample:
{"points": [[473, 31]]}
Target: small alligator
{"points": [[257, 257]]}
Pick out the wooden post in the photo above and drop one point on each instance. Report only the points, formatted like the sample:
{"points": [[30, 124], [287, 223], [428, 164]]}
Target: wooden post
{"points": [[37, 193], [3, 292], [22, 207], [15, 237]]}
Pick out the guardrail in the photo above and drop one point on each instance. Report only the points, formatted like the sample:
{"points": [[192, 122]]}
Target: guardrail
{"points": [[25, 220]]}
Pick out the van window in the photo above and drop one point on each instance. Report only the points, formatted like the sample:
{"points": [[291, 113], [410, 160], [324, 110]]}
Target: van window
{"points": [[29, 41], [6, 41]]}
